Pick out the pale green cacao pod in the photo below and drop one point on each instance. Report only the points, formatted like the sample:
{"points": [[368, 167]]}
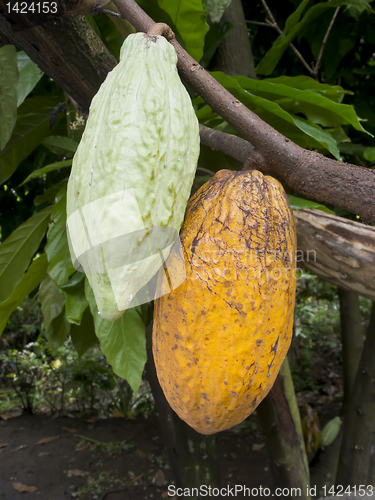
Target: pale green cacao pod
{"points": [[132, 173], [330, 432]]}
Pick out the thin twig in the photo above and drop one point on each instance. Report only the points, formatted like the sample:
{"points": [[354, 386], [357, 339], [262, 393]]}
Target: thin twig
{"points": [[270, 15], [101, 5], [110, 13], [316, 67], [258, 23], [295, 50]]}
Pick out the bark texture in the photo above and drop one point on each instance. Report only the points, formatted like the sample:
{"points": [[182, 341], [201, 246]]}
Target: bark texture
{"points": [[65, 48], [325, 470], [356, 454], [352, 339], [338, 250], [234, 55], [280, 419]]}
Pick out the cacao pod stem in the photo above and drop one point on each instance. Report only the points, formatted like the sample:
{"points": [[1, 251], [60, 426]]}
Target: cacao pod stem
{"points": [[161, 29]]}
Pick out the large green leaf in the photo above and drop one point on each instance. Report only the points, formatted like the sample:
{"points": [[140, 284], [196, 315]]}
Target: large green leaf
{"points": [[57, 248], [31, 129], [294, 18], [122, 342], [29, 76], [316, 106], [185, 17], [17, 251], [60, 145], [83, 336], [324, 138], [189, 18], [46, 170], [303, 132], [52, 302], [294, 29], [30, 280], [301, 82], [8, 92], [76, 302], [300, 203]]}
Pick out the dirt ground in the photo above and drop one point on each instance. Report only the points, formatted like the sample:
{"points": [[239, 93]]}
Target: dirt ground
{"points": [[62, 458]]}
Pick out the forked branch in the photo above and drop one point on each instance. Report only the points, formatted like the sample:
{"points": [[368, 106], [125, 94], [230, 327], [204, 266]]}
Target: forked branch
{"points": [[309, 173], [274, 24]]}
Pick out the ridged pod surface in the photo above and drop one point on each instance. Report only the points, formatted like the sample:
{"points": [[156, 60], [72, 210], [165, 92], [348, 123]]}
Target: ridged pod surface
{"points": [[219, 338], [133, 171]]}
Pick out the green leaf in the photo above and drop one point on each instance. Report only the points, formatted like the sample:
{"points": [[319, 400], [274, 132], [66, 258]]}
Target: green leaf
{"points": [[352, 149], [369, 154], [57, 331], [110, 31], [294, 18], [301, 82], [76, 302], [17, 251], [29, 76], [57, 247], [213, 39], [256, 96], [358, 5], [318, 134], [8, 92], [60, 144], [189, 18], [309, 101], [30, 280], [122, 342], [49, 194], [83, 336], [46, 170], [31, 129], [293, 29], [54, 322], [215, 8], [300, 204]]}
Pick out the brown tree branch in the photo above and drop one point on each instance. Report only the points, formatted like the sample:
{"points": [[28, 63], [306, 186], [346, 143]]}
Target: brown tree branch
{"points": [[70, 53], [65, 48], [337, 250], [311, 174], [231, 145]]}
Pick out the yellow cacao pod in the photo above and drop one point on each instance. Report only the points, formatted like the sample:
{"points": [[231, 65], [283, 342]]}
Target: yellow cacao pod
{"points": [[220, 337]]}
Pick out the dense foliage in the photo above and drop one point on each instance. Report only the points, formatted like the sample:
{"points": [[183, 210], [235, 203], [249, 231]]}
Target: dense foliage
{"points": [[40, 131]]}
